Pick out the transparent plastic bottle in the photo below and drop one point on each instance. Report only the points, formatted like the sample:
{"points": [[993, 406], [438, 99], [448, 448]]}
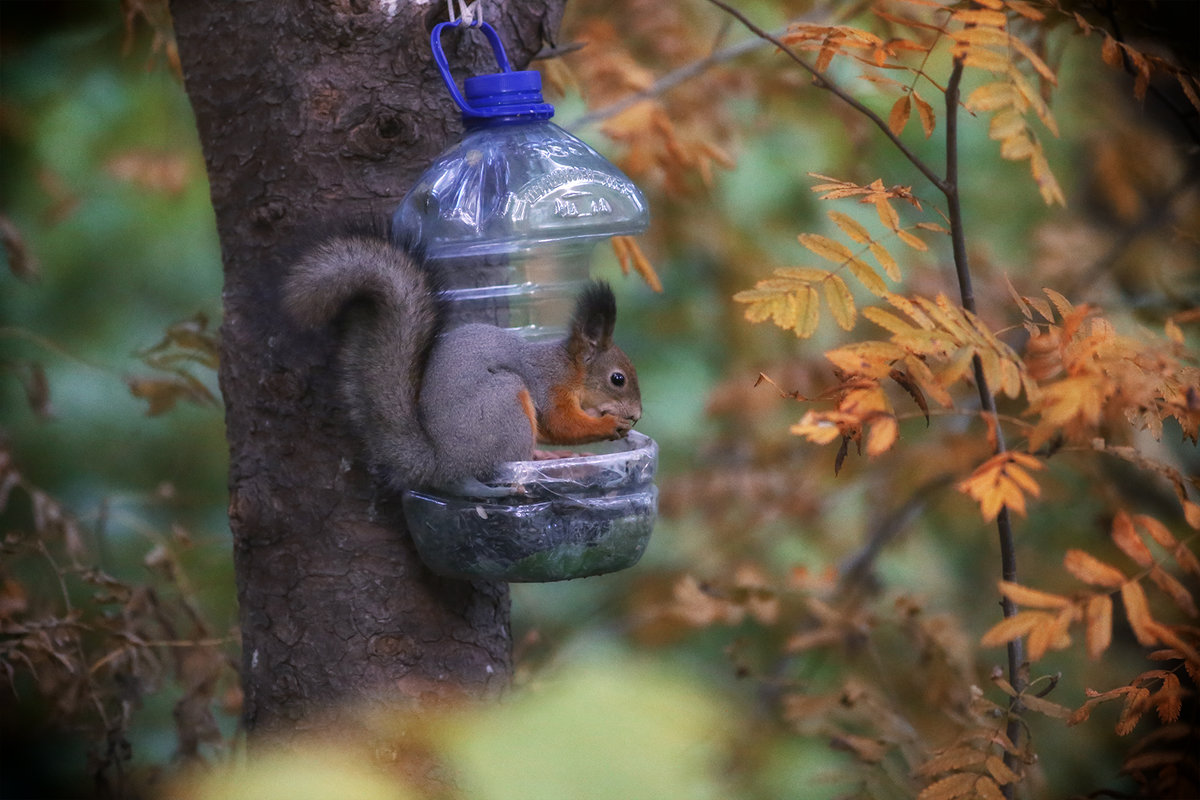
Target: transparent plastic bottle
{"points": [[509, 217]]}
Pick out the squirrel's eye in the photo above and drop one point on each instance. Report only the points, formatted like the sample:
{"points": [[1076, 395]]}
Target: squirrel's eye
{"points": [[617, 379]]}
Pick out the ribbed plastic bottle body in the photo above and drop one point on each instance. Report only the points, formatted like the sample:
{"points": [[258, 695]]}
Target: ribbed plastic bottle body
{"points": [[508, 219]]}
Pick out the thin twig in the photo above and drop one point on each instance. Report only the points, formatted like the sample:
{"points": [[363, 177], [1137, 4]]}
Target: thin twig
{"points": [[987, 401], [822, 81]]}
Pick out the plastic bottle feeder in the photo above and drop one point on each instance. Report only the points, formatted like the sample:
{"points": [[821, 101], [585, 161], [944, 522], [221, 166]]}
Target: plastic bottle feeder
{"points": [[508, 219]]}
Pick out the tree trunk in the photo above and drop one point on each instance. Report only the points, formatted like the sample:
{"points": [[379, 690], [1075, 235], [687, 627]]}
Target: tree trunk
{"points": [[310, 112]]}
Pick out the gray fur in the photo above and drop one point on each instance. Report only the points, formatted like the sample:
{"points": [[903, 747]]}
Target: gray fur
{"points": [[440, 408]]}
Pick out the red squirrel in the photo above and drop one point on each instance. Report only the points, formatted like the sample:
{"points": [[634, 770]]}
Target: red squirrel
{"points": [[443, 408]]}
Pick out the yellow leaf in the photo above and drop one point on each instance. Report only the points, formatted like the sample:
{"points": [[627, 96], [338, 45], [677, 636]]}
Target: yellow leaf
{"points": [[1091, 570], [841, 302], [887, 214], [887, 320], [797, 309], [1025, 596], [1006, 124], [1098, 621], [1013, 627], [911, 240], [867, 277], [871, 359], [990, 60], [1137, 611], [901, 111], [927, 380], [816, 428], [1034, 59], [991, 97], [882, 435], [1018, 147], [826, 248], [989, 37], [890, 268], [850, 227]]}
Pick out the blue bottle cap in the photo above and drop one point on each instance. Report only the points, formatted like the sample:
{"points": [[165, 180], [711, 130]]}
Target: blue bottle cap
{"points": [[497, 95], [515, 94]]}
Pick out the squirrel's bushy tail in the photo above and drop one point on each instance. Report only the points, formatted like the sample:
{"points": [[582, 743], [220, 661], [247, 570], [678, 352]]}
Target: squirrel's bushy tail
{"points": [[389, 319]]}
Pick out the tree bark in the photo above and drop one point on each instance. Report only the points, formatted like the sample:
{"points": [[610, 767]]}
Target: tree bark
{"points": [[310, 112]]}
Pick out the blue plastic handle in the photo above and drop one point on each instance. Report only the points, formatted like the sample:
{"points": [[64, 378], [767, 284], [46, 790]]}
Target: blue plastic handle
{"points": [[435, 40]]}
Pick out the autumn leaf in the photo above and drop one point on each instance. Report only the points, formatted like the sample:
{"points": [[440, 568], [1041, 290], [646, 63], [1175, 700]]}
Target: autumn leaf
{"points": [[1002, 481], [1091, 570], [901, 111]]}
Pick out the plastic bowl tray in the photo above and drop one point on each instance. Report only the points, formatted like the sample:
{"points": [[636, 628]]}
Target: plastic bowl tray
{"points": [[544, 520]]}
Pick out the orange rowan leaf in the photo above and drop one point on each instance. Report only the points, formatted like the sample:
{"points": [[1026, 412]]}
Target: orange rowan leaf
{"points": [[1168, 700], [981, 17], [1043, 706], [1025, 596], [1171, 586], [1137, 611], [1091, 570], [1191, 512], [881, 435], [1001, 771], [925, 112], [1014, 627], [1127, 539], [1158, 532], [1135, 706], [986, 788], [1110, 51], [959, 784], [901, 111], [1051, 634], [1026, 10], [1002, 481], [1098, 622], [955, 759]]}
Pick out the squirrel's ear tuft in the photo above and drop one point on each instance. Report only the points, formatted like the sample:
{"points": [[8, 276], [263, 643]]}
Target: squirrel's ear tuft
{"points": [[595, 317]]}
